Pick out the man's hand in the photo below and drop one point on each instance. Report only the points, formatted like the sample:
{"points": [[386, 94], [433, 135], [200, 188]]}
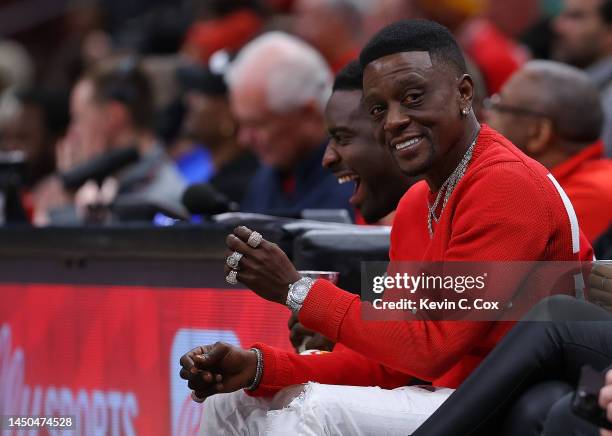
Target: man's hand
{"points": [[605, 401], [218, 368], [266, 270], [311, 340], [298, 334], [600, 284]]}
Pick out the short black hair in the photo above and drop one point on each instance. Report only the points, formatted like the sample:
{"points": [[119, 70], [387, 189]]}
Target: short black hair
{"points": [[415, 35], [349, 78], [128, 84]]}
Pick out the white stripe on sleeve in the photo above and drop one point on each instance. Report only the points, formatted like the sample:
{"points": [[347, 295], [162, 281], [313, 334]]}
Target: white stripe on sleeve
{"points": [[571, 214]]}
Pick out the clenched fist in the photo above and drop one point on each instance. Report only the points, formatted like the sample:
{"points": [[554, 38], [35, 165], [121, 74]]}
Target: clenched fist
{"points": [[218, 368]]}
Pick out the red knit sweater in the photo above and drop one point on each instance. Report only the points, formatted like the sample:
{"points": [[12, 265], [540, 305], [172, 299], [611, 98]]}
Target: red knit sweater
{"points": [[586, 177], [505, 208]]}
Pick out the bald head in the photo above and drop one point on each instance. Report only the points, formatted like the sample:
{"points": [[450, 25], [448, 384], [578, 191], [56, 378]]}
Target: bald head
{"points": [[567, 96], [563, 94]]}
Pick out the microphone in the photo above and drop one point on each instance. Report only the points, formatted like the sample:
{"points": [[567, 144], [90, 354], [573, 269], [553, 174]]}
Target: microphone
{"points": [[204, 199], [99, 168]]}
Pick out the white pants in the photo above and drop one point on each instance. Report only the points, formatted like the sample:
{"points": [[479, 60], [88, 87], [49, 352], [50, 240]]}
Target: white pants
{"points": [[316, 409]]}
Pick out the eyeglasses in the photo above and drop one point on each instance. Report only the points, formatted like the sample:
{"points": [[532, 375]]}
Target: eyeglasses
{"points": [[494, 103]]}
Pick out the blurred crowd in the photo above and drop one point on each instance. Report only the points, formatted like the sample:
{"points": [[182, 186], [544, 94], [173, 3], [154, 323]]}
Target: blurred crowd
{"points": [[109, 110]]}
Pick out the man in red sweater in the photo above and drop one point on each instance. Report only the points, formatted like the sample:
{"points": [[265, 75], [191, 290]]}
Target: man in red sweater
{"points": [[500, 205], [552, 112]]}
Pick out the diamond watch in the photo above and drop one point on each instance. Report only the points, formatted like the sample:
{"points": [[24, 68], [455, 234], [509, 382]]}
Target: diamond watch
{"points": [[298, 292]]}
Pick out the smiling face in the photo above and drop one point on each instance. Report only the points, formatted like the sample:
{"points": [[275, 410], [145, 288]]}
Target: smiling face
{"points": [[353, 154], [415, 105]]}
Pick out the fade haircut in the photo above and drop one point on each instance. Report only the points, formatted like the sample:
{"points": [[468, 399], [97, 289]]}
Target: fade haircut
{"points": [[350, 78], [415, 35]]}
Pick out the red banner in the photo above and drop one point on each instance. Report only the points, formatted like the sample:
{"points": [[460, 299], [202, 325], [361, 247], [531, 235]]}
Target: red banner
{"points": [[110, 355]]}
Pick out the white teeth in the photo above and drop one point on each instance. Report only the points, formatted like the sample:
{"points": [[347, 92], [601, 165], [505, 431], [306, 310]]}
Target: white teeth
{"points": [[406, 144], [346, 179]]}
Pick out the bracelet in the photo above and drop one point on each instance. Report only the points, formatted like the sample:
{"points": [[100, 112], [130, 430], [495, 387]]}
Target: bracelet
{"points": [[258, 370]]}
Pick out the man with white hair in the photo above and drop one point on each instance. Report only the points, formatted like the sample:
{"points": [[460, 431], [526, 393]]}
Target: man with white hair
{"points": [[278, 89]]}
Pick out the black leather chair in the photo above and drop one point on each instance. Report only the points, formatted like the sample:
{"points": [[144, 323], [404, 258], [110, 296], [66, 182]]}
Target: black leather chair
{"points": [[342, 249]]}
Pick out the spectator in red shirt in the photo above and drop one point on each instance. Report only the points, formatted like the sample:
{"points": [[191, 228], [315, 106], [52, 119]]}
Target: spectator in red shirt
{"points": [[333, 27], [552, 112], [419, 96]]}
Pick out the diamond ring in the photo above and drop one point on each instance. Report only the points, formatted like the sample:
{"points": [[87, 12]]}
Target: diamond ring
{"points": [[255, 239], [234, 259], [231, 277]]}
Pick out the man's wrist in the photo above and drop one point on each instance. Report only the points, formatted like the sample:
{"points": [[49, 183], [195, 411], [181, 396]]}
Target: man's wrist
{"points": [[258, 369], [297, 293]]}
